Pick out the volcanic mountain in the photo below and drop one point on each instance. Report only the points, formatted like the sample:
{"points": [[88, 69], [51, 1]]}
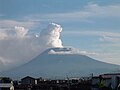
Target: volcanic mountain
{"points": [[60, 62]]}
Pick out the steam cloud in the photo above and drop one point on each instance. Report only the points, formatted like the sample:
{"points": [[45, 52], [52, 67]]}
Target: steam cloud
{"points": [[18, 46], [20, 31], [50, 35]]}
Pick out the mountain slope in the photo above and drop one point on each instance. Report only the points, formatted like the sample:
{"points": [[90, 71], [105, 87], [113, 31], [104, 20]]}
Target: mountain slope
{"points": [[61, 65]]}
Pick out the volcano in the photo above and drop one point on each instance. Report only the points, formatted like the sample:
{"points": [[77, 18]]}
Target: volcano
{"points": [[60, 62]]}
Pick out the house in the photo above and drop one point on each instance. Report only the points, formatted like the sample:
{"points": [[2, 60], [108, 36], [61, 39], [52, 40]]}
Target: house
{"points": [[6, 83], [28, 80], [114, 79], [111, 80]]}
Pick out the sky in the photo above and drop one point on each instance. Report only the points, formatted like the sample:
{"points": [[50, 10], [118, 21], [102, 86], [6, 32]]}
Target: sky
{"points": [[92, 26]]}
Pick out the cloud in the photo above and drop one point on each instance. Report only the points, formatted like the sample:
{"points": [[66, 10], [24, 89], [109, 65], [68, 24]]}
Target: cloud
{"points": [[18, 46], [51, 35], [8, 24], [110, 39], [108, 57], [21, 31], [2, 35], [96, 10], [89, 11], [92, 33], [71, 50], [105, 39]]}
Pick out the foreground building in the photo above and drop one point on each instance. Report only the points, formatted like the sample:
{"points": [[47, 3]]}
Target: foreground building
{"points": [[6, 83], [111, 81], [101, 82], [28, 80]]}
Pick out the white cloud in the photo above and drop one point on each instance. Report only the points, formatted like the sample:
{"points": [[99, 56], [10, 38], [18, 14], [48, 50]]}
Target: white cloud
{"points": [[109, 57], [104, 36], [92, 33], [21, 31], [2, 35], [110, 39], [18, 47], [96, 10], [71, 50], [8, 24], [51, 35], [91, 10]]}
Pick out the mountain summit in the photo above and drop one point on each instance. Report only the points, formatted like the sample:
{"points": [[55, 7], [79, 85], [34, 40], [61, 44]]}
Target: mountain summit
{"points": [[54, 63]]}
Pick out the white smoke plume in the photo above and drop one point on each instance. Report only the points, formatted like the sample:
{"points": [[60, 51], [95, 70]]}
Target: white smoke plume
{"points": [[18, 46], [21, 31], [51, 35]]}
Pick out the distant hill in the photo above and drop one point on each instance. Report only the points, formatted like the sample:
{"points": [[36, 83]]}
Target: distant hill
{"points": [[58, 62]]}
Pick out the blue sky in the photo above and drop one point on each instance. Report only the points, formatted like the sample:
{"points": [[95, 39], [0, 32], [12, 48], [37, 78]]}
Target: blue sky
{"points": [[90, 25]]}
